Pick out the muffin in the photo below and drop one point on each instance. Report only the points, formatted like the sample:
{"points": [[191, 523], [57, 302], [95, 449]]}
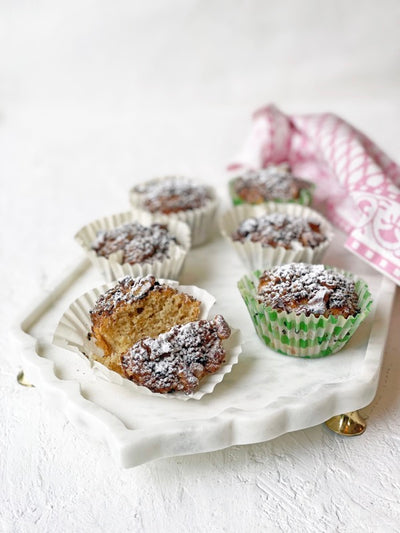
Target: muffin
{"points": [[172, 195], [305, 310], [137, 243], [112, 326], [178, 359], [276, 233], [178, 198], [133, 244], [273, 183], [278, 229], [133, 309]]}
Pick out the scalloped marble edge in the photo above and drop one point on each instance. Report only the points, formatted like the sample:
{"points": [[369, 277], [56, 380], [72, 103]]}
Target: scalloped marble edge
{"points": [[230, 427]]}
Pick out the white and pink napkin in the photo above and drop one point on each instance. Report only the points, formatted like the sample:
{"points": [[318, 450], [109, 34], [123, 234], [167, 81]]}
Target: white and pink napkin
{"points": [[357, 181]]}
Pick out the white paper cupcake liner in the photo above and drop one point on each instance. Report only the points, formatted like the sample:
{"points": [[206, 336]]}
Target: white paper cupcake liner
{"points": [[75, 324], [112, 267], [201, 220], [254, 255]]}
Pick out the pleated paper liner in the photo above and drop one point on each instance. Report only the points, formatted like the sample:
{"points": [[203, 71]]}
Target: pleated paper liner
{"points": [[200, 220], [112, 267], [75, 325], [305, 195], [299, 335], [254, 255]]}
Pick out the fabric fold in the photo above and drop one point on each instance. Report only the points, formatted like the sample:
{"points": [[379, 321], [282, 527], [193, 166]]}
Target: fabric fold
{"points": [[357, 182]]}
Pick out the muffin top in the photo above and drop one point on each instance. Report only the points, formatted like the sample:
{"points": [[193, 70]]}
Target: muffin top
{"points": [[178, 359], [309, 289], [172, 195], [279, 229], [270, 183], [138, 244], [126, 291]]}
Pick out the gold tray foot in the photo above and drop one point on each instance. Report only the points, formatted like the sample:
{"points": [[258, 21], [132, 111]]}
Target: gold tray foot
{"points": [[22, 381], [348, 424]]}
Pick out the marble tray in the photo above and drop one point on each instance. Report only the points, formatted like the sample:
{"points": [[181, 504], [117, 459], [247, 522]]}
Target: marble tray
{"points": [[264, 396]]}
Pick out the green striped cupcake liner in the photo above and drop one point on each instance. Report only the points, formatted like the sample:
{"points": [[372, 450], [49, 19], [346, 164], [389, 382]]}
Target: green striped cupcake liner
{"points": [[304, 198], [301, 335]]}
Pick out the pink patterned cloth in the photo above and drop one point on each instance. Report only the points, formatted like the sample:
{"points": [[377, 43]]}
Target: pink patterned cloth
{"points": [[358, 183]]}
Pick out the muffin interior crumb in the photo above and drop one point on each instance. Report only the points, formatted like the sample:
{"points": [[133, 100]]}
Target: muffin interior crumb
{"points": [[134, 309]]}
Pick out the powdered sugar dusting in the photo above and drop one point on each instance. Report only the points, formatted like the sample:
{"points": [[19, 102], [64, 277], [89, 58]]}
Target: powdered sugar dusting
{"points": [[270, 183], [138, 243], [127, 290], [278, 229], [178, 359], [172, 194], [309, 289]]}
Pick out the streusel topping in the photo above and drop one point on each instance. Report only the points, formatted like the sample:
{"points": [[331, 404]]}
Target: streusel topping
{"points": [[178, 359], [309, 289], [172, 195], [126, 291], [138, 244], [270, 183], [278, 229]]}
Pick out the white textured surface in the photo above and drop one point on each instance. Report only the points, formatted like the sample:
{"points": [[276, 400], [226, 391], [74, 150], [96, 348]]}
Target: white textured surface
{"points": [[95, 95]]}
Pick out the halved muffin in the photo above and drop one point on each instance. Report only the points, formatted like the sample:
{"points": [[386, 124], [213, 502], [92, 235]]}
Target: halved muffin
{"points": [[136, 308]]}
